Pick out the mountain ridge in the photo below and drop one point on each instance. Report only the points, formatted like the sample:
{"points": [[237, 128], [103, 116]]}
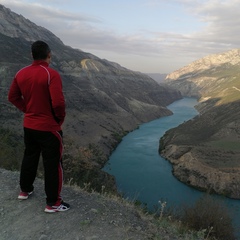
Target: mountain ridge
{"points": [[205, 150]]}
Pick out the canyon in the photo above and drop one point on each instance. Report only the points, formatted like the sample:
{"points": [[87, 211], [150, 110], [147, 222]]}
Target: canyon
{"points": [[205, 151]]}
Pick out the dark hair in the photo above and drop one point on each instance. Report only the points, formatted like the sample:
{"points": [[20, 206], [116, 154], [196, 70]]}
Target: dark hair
{"points": [[40, 50]]}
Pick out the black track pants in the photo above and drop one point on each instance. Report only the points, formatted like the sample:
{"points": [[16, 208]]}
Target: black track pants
{"points": [[49, 144]]}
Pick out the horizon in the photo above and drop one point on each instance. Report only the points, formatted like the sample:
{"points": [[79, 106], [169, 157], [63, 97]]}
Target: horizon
{"points": [[150, 36]]}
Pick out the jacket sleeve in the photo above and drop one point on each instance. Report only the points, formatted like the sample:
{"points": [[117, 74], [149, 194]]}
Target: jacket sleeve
{"points": [[57, 97], [15, 96]]}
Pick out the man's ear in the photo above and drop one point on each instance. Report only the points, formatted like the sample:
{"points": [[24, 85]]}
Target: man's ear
{"points": [[49, 57]]}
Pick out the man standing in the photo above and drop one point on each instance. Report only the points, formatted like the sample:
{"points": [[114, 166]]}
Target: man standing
{"points": [[37, 91]]}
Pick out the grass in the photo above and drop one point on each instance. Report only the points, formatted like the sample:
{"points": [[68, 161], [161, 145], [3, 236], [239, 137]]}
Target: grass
{"points": [[226, 145], [11, 146], [204, 220], [211, 216]]}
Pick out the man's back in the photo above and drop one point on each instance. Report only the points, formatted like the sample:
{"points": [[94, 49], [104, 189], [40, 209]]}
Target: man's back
{"points": [[37, 91]]}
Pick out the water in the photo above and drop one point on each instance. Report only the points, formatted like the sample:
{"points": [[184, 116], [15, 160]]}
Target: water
{"points": [[142, 174]]}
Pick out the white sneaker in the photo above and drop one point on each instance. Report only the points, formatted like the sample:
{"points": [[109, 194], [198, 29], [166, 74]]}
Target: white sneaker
{"points": [[60, 208]]}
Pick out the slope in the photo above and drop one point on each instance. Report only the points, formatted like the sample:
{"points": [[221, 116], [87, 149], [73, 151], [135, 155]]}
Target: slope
{"points": [[205, 151], [91, 216]]}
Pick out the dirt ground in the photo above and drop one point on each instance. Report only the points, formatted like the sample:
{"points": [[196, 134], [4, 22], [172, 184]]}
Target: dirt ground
{"points": [[92, 216]]}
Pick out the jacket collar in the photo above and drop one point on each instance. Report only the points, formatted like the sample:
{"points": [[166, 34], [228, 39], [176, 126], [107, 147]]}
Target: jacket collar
{"points": [[40, 62]]}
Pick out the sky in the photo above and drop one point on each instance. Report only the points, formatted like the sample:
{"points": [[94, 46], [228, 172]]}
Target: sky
{"points": [[150, 36]]}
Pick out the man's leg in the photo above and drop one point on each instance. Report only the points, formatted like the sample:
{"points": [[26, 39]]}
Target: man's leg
{"points": [[52, 148], [30, 161]]}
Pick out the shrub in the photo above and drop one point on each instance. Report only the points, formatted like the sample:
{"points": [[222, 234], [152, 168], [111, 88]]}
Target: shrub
{"points": [[11, 149], [211, 216], [84, 169]]}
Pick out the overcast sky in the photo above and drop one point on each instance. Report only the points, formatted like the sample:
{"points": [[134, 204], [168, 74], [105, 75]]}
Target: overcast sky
{"points": [[151, 36]]}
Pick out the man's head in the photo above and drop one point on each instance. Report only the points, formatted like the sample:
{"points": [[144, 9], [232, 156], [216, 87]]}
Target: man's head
{"points": [[40, 51]]}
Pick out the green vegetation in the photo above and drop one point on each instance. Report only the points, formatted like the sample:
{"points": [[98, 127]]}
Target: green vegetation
{"points": [[205, 219], [224, 144], [83, 169], [11, 146], [117, 136], [226, 84], [209, 216]]}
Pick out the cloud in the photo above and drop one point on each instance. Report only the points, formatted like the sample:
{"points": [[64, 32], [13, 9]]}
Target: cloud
{"points": [[218, 31], [222, 22], [46, 13], [81, 31]]}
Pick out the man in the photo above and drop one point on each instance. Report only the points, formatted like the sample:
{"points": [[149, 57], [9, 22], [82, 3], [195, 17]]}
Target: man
{"points": [[37, 91]]}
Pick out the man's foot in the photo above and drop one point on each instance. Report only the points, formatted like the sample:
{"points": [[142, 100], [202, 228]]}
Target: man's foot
{"points": [[24, 195], [60, 208]]}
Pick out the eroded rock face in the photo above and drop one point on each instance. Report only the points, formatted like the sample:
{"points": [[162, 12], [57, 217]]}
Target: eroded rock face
{"points": [[207, 75], [211, 62], [194, 171], [205, 151]]}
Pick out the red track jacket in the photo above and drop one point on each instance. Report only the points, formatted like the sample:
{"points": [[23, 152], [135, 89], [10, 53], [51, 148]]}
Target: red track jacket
{"points": [[37, 91]]}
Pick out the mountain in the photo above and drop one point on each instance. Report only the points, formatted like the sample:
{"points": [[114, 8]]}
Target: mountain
{"points": [[209, 77], [104, 101], [205, 151]]}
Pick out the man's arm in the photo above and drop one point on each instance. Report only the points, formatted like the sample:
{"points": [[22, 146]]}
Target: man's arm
{"points": [[57, 97], [15, 96]]}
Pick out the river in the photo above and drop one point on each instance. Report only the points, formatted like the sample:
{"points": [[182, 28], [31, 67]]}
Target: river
{"points": [[142, 174]]}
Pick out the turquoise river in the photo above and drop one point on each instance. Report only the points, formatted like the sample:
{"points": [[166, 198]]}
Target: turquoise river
{"points": [[142, 174]]}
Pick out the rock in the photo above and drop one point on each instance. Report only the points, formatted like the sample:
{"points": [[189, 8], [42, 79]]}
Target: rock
{"points": [[191, 169], [205, 150]]}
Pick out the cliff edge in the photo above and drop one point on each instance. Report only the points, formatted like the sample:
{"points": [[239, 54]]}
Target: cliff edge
{"points": [[92, 216]]}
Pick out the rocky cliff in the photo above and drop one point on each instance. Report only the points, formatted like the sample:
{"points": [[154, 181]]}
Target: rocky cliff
{"points": [[205, 151], [104, 101], [207, 76]]}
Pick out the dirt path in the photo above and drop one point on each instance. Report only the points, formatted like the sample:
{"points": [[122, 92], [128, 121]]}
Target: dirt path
{"points": [[92, 216]]}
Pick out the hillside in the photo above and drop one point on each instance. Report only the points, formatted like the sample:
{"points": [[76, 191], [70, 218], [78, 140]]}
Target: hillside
{"points": [[205, 151], [104, 100], [91, 216]]}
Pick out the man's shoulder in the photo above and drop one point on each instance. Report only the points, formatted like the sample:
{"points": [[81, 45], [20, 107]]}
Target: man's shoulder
{"points": [[26, 68], [53, 71], [53, 74]]}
